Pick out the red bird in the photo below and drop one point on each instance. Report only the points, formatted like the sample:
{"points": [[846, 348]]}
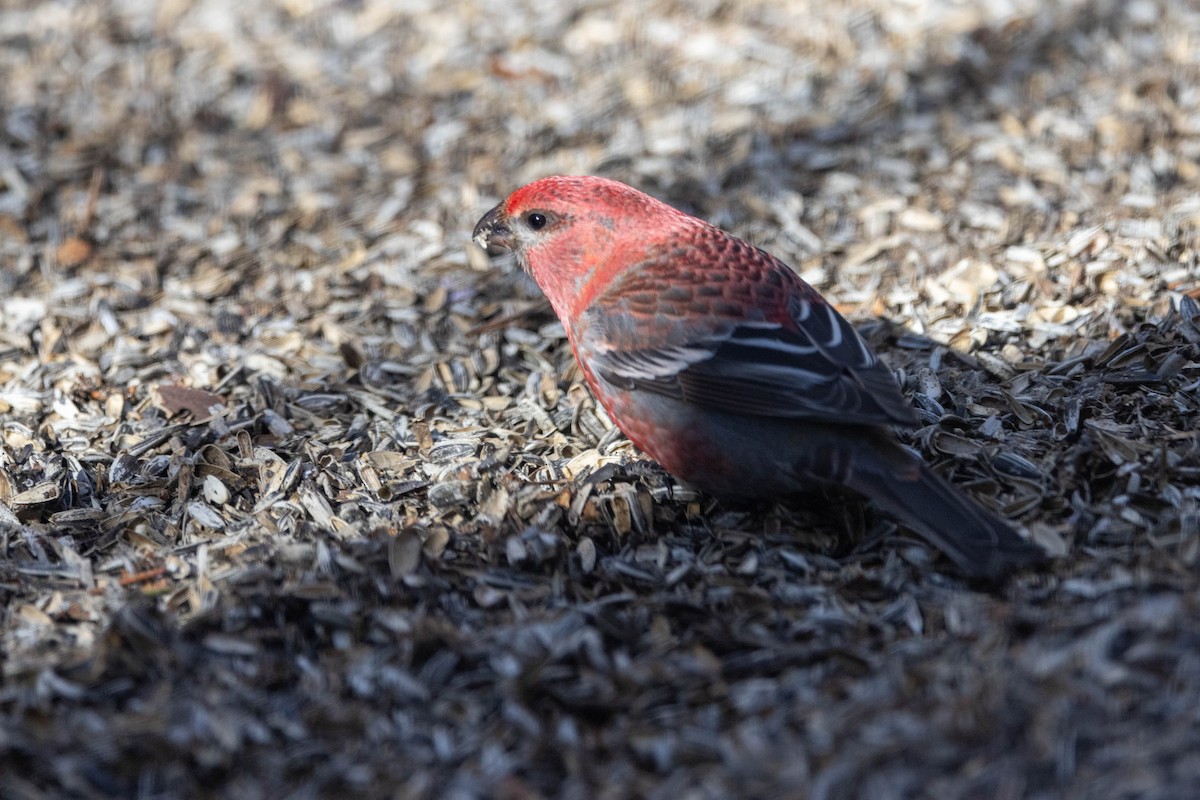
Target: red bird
{"points": [[719, 362]]}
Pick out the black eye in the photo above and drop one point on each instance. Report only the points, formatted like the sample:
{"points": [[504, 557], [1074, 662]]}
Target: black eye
{"points": [[535, 220]]}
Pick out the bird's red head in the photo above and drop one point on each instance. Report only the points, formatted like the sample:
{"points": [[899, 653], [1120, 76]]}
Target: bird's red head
{"points": [[566, 231]]}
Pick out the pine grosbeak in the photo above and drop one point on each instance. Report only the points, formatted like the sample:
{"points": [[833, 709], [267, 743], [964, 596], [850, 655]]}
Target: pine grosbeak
{"points": [[719, 362]]}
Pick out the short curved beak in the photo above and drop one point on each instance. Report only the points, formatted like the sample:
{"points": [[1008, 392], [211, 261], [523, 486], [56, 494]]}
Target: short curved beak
{"points": [[492, 234]]}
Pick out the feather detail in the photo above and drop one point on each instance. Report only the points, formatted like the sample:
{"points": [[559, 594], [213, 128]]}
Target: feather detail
{"points": [[787, 354]]}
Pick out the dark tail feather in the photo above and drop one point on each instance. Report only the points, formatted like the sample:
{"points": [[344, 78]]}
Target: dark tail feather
{"points": [[979, 542]]}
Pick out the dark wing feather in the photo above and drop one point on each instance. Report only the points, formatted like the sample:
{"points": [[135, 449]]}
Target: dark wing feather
{"points": [[808, 364]]}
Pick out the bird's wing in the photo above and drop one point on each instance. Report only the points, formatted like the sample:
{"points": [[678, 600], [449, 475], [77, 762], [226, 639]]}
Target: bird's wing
{"points": [[747, 336]]}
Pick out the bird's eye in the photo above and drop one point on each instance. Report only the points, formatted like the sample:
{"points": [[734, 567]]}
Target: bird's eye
{"points": [[536, 220]]}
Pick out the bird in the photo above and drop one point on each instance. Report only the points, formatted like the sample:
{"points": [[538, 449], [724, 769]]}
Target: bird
{"points": [[720, 363]]}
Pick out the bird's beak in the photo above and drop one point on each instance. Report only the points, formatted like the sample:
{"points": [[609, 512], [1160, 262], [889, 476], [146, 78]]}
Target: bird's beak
{"points": [[492, 234]]}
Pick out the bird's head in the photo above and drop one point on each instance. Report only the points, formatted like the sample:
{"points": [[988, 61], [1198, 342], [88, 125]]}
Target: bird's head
{"points": [[565, 231]]}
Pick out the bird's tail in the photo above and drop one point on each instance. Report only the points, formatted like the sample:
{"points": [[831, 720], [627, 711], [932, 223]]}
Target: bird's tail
{"points": [[977, 540]]}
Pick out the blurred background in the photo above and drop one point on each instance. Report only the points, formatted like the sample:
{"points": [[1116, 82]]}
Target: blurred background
{"points": [[957, 128]]}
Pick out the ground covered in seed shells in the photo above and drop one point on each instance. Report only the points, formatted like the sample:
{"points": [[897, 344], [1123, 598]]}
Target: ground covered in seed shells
{"points": [[301, 496]]}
